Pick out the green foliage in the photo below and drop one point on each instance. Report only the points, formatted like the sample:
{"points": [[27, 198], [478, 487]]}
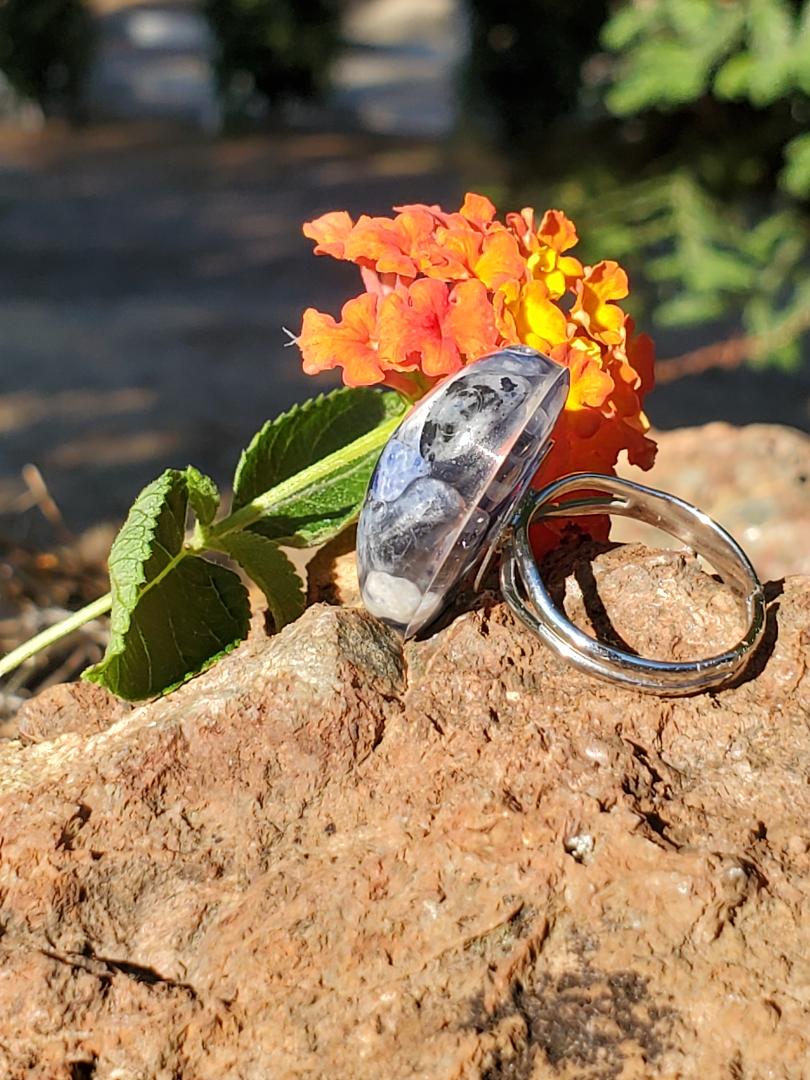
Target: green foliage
{"points": [[667, 51], [795, 176], [45, 50], [276, 47], [308, 433], [719, 241], [174, 613], [673, 52], [272, 571], [704, 262], [686, 155]]}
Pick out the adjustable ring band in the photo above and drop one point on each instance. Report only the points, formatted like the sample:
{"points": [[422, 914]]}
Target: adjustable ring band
{"points": [[524, 590]]}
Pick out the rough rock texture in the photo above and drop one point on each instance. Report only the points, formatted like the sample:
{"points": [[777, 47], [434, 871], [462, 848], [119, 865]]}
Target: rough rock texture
{"points": [[754, 480], [83, 708], [322, 859]]}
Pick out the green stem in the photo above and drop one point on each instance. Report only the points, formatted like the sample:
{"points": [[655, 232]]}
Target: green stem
{"points": [[275, 498], [54, 633]]}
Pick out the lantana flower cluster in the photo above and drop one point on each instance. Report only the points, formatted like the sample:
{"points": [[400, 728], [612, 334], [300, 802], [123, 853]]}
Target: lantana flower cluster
{"points": [[444, 289]]}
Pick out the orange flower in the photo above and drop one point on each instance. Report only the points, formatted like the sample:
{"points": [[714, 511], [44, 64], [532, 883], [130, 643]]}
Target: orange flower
{"points": [[530, 314], [330, 233], [435, 328], [500, 261], [558, 232], [478, 209], [455, 250], [640, 353], [591, 386], [351, 343], [544, 248], [390, 246], [443, 289], [593, 310]]}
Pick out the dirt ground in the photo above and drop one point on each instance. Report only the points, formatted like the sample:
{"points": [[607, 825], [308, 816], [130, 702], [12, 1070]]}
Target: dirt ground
{"points": [[146, 279]]}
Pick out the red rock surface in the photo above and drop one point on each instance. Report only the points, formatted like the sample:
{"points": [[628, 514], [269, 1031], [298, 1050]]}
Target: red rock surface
{"points": [[79, 707], [324, 859], [754, 480]]}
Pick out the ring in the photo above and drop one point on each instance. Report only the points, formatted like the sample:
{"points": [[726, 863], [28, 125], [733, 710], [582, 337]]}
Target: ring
{"points": [[519, 574], [451, 489]]}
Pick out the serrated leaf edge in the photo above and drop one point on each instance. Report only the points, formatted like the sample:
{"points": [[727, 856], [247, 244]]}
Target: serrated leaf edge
{"points": [[295, 410], [167, 474]]}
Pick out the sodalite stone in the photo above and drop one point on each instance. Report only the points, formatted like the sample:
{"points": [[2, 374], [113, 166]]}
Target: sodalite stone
{"points": [[448, 479]]}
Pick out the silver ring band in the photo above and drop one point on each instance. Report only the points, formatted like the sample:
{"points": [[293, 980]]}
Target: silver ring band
{"points": [[524, 590]]}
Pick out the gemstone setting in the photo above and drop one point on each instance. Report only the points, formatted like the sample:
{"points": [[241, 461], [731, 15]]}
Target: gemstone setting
{"points": [[449, 478]]}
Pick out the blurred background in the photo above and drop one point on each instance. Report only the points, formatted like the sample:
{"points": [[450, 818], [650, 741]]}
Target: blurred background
{"points": [[157, 160]]}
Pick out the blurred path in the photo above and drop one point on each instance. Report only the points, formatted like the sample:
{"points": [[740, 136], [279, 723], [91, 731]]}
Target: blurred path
{"points": [[145, 280], [396, 71]]}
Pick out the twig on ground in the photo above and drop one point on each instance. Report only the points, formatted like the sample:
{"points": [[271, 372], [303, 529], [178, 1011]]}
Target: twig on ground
{"points": [[722, 354]]}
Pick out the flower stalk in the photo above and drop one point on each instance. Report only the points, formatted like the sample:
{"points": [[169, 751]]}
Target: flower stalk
{"points": [[55, 633]]}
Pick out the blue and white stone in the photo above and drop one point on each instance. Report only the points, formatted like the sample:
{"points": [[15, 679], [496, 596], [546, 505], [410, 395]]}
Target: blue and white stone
{"points": [[449, 477]]}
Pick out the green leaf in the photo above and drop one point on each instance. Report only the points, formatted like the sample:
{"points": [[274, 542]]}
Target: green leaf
{"points": [[795, 176], [321, 511], [272, 571], [733, 79], [301, 438], [801, 51], [624, 27], [306, 434], [173, 613], [665, 74], [688, 309], [773, 30], [202, 495]]}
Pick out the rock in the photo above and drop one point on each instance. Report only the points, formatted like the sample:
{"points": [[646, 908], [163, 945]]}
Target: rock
{"points": [[332, 573], [323, 858], [754, 480], [80, 707]]}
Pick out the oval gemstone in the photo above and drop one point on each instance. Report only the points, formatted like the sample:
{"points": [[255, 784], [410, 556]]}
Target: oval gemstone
{"points": [[449, 478]]}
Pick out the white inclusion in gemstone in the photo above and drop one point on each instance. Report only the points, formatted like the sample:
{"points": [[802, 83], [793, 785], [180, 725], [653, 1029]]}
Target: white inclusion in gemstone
{"points": [[390, 597]]}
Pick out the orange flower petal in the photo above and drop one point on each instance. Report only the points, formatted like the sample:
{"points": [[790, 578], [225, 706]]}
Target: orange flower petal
{"points": [[557, 231], [590, 385], [522, 227], [389, 245], [571, 267], [641, 451], [477, 209], [604, 321], [500, 261], [414, 328], [453, 254], [349, 344], [641, 355], [472, 320], [504, 303], [608, 280], [540, 323], [330, 232]]}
